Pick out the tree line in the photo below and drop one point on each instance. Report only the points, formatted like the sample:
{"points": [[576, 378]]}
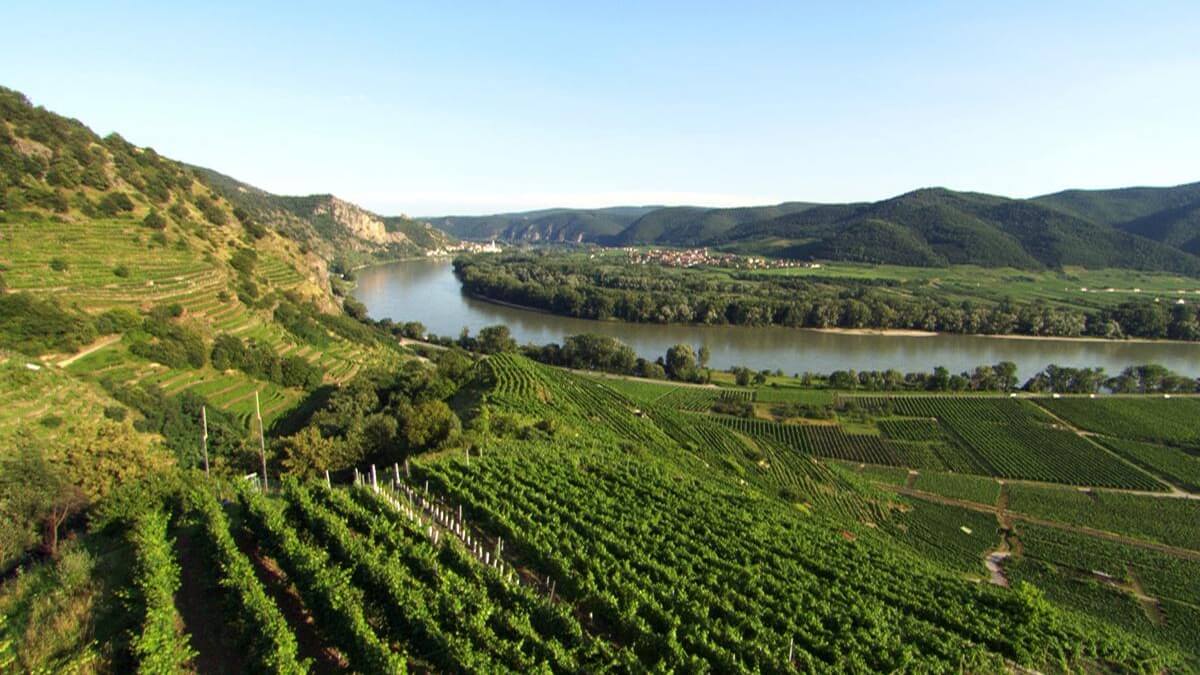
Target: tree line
{"points": [[578, 288]]}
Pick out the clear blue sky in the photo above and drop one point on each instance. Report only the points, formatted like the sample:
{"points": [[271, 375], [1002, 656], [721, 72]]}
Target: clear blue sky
{"points": [[464, 107]]}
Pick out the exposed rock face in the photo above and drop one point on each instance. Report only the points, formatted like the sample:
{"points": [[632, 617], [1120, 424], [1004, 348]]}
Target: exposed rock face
{"points": [[358, 221]]}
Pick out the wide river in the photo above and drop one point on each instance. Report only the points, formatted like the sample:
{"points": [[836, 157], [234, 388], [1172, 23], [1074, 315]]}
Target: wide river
{"points": [[427, 291]]}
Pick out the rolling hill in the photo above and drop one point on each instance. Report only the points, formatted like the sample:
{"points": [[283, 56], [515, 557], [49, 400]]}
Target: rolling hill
{"points": [[1134, 228], [690, 225]]}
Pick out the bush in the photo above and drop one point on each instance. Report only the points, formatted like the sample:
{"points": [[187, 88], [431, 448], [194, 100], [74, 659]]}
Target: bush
{"points": [[34, 325], [58, 264], [154, 220], [121, 271], [117, 320], [115, 203], [115, 413]]}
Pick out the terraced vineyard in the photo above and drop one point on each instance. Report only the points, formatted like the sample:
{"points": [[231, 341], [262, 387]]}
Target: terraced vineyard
{"points": [[1177, 465], [1101, 577], [1168, 520], [700, 399], [384, 590], [823, 440], [103, 263], [733, 579], [1157, 420], [955, 537], [1014, 439], [958, 486]]}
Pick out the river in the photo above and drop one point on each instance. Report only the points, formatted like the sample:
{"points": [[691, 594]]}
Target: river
{"points": [[427, 291]]}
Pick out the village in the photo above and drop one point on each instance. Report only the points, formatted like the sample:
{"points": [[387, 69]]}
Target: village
{"points": [[698, 257], [464, 247]]}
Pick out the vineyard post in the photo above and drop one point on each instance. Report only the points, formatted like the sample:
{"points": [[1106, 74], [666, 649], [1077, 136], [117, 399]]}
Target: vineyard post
{"points": [[407, 472], [553, 584], [467, 451], [396, 467], [328, 484], [262, 441], [204, 436], [791, 648], [374, 482]]}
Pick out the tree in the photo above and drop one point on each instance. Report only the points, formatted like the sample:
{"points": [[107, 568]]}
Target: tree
{"points": [[430, 424], [308, 452], [496, 339], [680, 362], [705, 355], [38, 492]]}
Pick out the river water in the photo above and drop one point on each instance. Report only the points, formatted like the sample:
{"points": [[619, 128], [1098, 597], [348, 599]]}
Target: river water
{"points": [[427, 291]]}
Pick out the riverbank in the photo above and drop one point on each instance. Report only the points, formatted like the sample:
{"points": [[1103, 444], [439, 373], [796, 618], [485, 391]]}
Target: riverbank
{"points": [[428, 291], [880, 332]]}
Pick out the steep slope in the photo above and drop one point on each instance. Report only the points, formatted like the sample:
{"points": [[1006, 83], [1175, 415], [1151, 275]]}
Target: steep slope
{"points": [[691, 225], [547, 225], [337, 229], [122, 270]]}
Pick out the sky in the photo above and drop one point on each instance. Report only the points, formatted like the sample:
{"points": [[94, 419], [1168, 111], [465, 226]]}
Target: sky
{"points": [[467, 108]]}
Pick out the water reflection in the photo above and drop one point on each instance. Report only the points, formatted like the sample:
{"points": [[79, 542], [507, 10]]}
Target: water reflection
{"points": [[426, 291]]}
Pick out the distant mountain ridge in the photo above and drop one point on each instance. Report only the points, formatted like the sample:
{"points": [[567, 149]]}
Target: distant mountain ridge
{"points": [[544, 225], [1138, 228]]}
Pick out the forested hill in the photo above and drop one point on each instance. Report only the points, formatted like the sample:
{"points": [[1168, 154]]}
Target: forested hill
{"points": [[690, 225], [1135, 228], [1169, 215], [552, 225]]}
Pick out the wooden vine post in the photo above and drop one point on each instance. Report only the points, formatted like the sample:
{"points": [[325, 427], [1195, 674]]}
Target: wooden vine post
{"points": [[262, 441], [204, 435]]}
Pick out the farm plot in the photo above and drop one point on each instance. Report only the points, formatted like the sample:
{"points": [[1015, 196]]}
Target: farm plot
{"points": [[959, 486], [1175, 464], [1173, 421], [1014, 439], [822, 440], [1167, 520]]}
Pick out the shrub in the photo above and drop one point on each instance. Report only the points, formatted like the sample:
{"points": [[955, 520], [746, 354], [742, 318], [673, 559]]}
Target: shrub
{"points": [[115, 413], [121, 271], [35, 325], [115, 203], [154, 220], [58, 264]]}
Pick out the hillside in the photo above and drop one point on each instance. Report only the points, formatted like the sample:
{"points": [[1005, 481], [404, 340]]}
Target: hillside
{"points": [[1121, 205], [132, 293], [690, 226], [547, 225], [934, 227], [334, 228], [1136, 228]]}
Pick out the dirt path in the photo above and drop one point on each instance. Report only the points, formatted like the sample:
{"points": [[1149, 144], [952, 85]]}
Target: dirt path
{"points": [[911, 479], [1080, 529], [204, 618], [993, 563], [1149, 605], [94, 347], [325, 659]]}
